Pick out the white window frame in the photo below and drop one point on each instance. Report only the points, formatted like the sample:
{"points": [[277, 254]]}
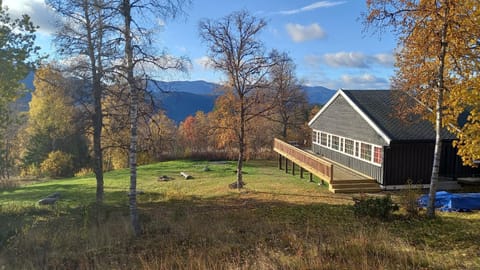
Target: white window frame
{"points": [[341, 146]]}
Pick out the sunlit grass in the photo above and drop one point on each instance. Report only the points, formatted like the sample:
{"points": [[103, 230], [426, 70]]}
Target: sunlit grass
{"points": [[278, 221]]}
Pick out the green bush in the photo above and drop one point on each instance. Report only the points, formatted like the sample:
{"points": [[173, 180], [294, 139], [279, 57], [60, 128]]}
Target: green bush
{"points": [[57, 164], [377, 207]]}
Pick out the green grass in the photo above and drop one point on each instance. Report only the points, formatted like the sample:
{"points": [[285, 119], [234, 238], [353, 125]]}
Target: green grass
{"points": [[277, 222]]}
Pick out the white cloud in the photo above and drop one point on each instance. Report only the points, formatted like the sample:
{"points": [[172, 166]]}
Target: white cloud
{"points": [[347, 81], [350, 60], [316, 5], [204, 62], [364, 81], [301, 33], [346, 59], [384, 59], [39, 12]]}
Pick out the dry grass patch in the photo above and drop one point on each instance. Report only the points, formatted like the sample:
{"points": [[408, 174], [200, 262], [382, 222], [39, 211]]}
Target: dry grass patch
{"points": [[277, 222]]}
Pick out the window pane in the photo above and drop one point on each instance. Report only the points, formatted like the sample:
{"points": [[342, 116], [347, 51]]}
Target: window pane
{"points": [[349, 146], [366, 151], [357, 149], [324, 139], [335, 142], [377, 155]]}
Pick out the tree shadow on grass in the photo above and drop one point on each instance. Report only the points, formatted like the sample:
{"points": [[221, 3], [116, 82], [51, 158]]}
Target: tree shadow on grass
{"points": [[239, 230]]}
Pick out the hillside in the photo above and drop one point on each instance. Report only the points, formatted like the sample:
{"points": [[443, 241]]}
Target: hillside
{"points": [[179, 105], [278, 221], [318, 94], [180, 99]]}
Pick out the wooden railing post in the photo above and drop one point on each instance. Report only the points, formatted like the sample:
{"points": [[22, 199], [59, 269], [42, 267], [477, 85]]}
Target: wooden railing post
{"points": [[331, 173]]}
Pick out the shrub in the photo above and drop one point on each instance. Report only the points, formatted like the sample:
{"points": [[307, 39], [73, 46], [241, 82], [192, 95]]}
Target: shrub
{"points": [[84, 172], [57, 164], [377, 207], [409, 199], [31, 170]]}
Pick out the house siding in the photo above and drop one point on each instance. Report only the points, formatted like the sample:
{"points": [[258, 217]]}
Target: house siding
{"points": [[341, 119], [369, 169], [451, 164], [408, 160], [414, 161]]}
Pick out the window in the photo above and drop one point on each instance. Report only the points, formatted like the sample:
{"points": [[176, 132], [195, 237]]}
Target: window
{"points": [[366, 151], [314, 137], [323, 139], [377, 155], [358, 149], [335, 142], [349, 147]]}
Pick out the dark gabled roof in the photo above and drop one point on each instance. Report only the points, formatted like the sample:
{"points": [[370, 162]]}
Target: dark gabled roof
{"points": [[380, 106]]}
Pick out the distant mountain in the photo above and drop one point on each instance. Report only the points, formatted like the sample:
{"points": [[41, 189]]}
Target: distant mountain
{"points": [[179, 105], [194, 87], [318, 94], [180, 99]]}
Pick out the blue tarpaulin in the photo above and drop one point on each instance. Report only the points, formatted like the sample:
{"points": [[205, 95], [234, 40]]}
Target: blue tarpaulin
{"points": [[458, 202]]}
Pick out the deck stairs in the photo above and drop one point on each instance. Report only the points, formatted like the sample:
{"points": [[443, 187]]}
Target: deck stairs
{"points": [[355, 186], [346, 180]]}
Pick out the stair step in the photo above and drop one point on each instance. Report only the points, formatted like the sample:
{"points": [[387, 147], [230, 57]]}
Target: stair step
{"points": [[356, 190], [356, 185], [353, 181]]}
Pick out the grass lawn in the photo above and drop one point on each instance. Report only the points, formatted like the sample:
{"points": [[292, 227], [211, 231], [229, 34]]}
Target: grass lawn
{"points": [[278, 221]]}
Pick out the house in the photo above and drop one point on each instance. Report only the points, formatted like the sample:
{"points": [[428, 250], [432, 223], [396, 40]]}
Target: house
{"points": [[360, 129]]}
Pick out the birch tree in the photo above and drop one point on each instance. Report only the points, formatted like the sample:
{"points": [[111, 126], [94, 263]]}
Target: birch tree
{"points": [[433, 37], [139, 63]]}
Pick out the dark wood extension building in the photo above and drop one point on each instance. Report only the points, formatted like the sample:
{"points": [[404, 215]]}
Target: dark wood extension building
{"points": [[360, 130]]}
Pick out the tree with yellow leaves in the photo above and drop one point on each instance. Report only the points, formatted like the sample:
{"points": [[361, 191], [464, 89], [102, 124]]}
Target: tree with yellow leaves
{"points": [[437, 61]]}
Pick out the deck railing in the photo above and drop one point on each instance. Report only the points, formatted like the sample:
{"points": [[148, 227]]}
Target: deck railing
{"points": [[308, 161]]}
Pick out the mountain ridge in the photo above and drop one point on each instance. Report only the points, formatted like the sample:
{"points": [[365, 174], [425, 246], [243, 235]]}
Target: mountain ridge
{"points": [[179, 99]]}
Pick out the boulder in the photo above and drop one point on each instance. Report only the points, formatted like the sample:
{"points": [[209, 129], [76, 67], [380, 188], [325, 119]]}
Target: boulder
{"points": [[235, 185], [165, 178], [186, 175], [48, 201]]}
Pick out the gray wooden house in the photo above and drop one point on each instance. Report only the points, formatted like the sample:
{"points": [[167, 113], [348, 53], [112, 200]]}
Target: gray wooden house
{"points": [[359, 129]]}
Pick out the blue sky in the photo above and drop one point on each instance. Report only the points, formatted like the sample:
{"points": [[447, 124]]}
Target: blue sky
{"points": [[324, 38]]}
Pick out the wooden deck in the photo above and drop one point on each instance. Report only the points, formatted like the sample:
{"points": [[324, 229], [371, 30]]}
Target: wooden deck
{"points": [[341, 179]]}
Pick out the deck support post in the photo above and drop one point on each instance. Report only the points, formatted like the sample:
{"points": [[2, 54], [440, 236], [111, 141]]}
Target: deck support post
{"points": [[279, 161], [286, 165], [301, 172], [311, 177], [293, 168]]}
